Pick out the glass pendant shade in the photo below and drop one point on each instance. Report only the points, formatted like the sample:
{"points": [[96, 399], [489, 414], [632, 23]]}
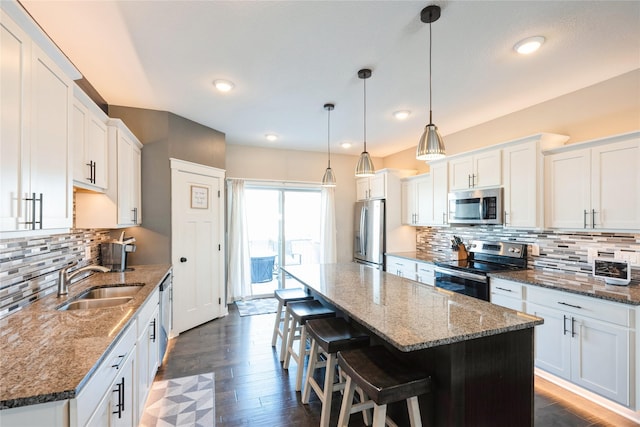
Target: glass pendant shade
{"points": [[365, 165], [431, 146], [328, 180]]}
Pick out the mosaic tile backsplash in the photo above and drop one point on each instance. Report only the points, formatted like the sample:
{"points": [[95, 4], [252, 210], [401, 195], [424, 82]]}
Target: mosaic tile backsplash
{"points": [[29, 266], [559, 250]]}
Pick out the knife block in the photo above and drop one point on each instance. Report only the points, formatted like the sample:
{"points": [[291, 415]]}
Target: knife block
{"points": [[460, 254]]}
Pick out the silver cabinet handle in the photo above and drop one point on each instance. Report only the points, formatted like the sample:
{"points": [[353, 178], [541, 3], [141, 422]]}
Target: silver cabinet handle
{"points": [[584, 219], [569, 305], [505, 218], [503, 289], [564, 325], [593, 218]]}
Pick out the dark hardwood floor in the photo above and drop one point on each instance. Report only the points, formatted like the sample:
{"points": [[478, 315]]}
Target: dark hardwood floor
{"points": [[253, 390]]}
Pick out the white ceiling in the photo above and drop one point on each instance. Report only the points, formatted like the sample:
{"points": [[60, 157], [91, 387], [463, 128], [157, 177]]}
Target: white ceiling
{"points": [[288, 58]]}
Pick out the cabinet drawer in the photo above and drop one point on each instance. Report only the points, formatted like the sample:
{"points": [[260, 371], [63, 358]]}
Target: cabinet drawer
{"points": [[91, 394], [401, 267], [147, 310], [605, 311], [426, 273], [506, 288]]}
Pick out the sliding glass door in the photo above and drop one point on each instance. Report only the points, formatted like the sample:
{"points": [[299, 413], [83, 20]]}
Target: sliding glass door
{"points": [[284, 229]]}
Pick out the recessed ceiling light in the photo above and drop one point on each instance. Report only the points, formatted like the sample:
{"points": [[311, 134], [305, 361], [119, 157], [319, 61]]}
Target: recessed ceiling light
{"points": [[529, 45], [223, 85], [271, 136], [346, 145], [402, 114]]}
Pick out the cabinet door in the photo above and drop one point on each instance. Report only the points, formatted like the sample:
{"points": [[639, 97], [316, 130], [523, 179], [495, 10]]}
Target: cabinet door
{"points": [[401, 267], [148, 358], [96, 148], [600, 358], [377, 186], [425, 273], [15, 59], [567, 189], [615, 186], [552, 341], [136, 184], [123, 410], [362, 188], [487, 171], [520, 185], [125, 180], [440, 191], [460, 173], [424, 200], [80, 117], [408, 195], [49, 148]]}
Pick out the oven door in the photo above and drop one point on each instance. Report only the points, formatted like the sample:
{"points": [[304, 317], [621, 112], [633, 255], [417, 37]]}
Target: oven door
{"points": [[462, 282]]}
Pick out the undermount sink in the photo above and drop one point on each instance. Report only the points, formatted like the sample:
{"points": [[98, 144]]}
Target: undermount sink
{"points": [[107, 296], [111, 292], [95, 303]]}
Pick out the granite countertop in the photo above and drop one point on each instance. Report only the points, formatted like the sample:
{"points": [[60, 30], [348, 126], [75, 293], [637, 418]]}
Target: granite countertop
{"points": [[418, 256], [49, 355], [582, 285], [407, 314]]}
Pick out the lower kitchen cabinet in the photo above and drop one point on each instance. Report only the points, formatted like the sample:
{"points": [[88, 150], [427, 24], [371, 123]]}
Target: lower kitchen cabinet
{"points": [[147, 349], [426, 273], [401, 267], [506, 294]]}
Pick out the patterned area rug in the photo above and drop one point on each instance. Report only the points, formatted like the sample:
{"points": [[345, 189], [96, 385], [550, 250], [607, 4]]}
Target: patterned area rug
{"points": [[186, 401], [257, 306]]}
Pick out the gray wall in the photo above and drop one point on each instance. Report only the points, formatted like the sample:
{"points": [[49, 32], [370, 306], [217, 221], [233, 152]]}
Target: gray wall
{"points": [[164, 135]]}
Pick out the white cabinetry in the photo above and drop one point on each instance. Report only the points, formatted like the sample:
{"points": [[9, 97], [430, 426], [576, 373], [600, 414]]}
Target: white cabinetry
{"points": [[584, 340], [522, 174], [90, 143], [506, 294], [148, 349], [417, 200], [371, 187], [480, 169], [35, 150], [594, 185], [120, 205], [425, 273], [107, 399], [402, 267]]}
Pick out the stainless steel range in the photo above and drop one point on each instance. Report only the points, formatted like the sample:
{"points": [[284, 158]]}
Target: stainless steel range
{"points": [[469, 276]]}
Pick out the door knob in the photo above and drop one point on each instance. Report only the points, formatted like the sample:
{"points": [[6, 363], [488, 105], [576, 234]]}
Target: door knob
{"points": [[183, 259]]}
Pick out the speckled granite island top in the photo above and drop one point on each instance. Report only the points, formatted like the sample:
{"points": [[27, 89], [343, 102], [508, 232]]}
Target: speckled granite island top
{"points": [[583, 285], [48, 355], [407, 314]]}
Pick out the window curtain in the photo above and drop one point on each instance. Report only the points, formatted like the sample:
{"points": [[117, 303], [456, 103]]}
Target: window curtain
{"points": [[328, 226], [239, 267]]}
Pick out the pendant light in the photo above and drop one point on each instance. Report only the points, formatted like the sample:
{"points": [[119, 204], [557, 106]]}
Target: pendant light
{"points": [[328, 180], [365, 165], [431, 146]]}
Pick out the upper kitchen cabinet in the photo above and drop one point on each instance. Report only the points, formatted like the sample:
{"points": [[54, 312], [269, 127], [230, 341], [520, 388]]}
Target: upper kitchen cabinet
{"points": [[90, 138], [35, 147], [379, 185], [480, 169], [424, 197], [594, 184], [120, 205], [522, 173]]}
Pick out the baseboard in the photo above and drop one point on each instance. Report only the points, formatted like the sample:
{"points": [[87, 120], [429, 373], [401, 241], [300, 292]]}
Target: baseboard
{"points": [[592, 397]]}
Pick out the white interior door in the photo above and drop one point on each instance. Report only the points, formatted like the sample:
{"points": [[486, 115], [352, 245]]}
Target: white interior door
{"points": [[197, 236]]}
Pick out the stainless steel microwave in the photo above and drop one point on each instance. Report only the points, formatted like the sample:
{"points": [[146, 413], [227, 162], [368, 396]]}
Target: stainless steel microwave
{"points": [[476, 206]]}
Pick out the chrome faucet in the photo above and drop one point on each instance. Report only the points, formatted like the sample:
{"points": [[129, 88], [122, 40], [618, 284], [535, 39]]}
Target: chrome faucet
{"points": [[64, 277]]}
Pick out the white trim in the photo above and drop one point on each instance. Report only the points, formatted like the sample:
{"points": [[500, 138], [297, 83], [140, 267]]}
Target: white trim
{"points": [[197, 168], [278, 183], [595, 398]]}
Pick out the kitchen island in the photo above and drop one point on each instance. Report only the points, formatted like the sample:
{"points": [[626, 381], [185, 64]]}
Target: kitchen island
{"points": [[479, 355]]}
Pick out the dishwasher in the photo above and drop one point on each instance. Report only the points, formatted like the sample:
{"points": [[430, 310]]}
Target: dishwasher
{"points": [[166, 319]]}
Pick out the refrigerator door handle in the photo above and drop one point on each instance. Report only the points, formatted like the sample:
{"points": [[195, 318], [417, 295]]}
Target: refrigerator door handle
{"points": [[363, 228]]}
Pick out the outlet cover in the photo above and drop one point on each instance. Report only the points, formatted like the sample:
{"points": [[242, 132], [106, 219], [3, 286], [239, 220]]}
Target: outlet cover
{"points": [[591, 254], [535, 249], [87, 252]]}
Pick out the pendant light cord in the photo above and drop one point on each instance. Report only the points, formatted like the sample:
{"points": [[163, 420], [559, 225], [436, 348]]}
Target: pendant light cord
{"points": [[328, 138], [365, 113], [430, 85]]}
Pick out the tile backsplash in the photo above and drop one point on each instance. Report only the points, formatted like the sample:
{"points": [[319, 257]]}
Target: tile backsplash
{"points": [[29, 266], [559, 250]]}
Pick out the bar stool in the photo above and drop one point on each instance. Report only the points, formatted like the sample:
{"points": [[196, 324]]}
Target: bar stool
{"points": [[285, 296], [328, 336], [383, 378], [301, 313]]}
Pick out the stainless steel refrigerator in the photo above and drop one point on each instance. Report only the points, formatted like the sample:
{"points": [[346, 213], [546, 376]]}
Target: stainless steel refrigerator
{"points": [[369, 242]]}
